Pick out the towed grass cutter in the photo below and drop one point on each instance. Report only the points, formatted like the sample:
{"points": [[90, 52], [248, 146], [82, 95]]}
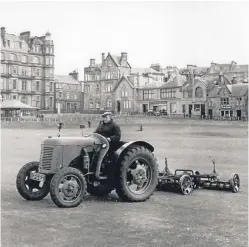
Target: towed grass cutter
{"points": [[187, 180]]}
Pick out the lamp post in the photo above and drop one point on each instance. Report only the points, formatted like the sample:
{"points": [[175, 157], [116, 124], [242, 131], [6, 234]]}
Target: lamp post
{"points": [[191, 69], [55, 100]]}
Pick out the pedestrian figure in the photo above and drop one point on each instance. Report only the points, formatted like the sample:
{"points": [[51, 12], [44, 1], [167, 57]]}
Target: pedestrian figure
{"points": [[141, 127], [89, 124]]}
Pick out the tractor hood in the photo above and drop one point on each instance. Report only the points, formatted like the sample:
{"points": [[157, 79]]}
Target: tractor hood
{"points": [[65, 141]]}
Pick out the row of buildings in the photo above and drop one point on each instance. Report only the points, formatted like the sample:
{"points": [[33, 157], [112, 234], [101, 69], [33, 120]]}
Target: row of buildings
{"points": [[27, 74], [113, 85]]}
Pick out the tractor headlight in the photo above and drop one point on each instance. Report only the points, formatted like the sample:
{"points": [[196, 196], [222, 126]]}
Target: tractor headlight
{"points": [[104, 145]]}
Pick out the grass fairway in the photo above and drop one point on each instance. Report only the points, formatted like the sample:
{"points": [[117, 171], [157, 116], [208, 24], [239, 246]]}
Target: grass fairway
{"points": [[203, 218]]}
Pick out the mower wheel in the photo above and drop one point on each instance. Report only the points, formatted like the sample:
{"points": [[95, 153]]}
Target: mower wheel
{"points": [[235, 182], [30, 189], [186, 184], [137, 175], [68, 187]]}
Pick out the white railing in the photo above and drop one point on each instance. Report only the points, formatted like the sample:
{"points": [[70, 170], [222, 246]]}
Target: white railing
{"points": [[94, 117]]}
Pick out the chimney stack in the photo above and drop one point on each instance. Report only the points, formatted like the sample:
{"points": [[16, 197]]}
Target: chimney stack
{"points": [[221, 79], [25, 36], [75, 75], [123, 58], [232, 65], [103, 57], [3, 35], [92, 61]]}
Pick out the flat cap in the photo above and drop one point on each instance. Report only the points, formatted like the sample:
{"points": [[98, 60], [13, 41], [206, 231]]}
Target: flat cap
{"points": [[107, 113]]}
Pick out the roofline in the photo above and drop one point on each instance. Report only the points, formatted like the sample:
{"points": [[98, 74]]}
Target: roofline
{"points": [[118, 83], [109, 54]]}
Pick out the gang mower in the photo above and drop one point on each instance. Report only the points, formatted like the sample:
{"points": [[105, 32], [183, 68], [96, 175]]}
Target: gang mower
{"points": [[187, 180]]}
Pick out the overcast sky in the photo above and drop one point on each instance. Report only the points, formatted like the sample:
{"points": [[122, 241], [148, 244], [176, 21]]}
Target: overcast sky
{"points": [[169, 33]]}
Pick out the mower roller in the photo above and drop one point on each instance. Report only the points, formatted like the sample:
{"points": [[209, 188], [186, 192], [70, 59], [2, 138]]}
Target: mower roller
{"points": [[187, 180]]}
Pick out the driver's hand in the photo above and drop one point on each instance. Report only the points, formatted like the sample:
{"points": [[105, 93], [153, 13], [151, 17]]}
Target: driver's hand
{"points": [[108, 139]]}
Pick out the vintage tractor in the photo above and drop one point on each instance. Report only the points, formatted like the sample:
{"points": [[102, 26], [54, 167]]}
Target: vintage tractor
{"points": [[186, 180], [71, 166]]}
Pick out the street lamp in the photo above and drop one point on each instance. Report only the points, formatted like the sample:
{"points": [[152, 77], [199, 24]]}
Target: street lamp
{"points": [[191, 72]]}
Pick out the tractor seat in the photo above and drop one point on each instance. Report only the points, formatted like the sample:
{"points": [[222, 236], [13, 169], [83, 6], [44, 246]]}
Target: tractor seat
{"points": [[119, 144]]}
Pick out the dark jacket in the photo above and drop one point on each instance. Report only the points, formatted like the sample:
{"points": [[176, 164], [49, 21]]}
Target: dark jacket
{"points": [[111, 130]]}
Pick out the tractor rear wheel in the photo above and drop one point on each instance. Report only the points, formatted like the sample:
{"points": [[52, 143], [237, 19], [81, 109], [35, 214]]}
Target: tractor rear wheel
{"points": [[68, 187], [30, 189], [137, 175]]}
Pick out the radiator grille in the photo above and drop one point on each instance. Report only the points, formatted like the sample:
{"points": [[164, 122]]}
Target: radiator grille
{"points": [[46, 158]]}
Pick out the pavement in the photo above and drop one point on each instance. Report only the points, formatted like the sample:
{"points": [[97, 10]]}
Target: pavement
{"points": [[203, 218]]}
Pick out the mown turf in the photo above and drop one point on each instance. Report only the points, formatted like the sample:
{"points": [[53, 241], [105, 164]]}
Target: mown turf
{"points": [[203, 218]]}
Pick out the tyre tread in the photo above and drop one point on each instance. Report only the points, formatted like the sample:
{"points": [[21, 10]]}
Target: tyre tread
{"points": [[53, 186], [119, 188]]}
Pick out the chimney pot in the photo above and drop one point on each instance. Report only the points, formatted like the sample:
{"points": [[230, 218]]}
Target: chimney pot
{"points": [[103, 57], [92, 61], [123, 57], [75, 75]]}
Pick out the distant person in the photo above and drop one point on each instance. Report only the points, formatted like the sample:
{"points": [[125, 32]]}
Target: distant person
{"points": [[89, 124]]}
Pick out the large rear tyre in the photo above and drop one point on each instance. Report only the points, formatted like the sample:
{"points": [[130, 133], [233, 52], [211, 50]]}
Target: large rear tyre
{"points": [[68, 187], [30, 189], [137, 175]]}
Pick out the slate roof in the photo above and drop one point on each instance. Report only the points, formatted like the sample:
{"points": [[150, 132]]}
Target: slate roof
{"points": [[68, 79], [144, 71], [154, 84], [238, 90], [117, 59], [96, 65], [15, 104], [228, 68], [176, 81], [127, 78], [187, 85], [240, 68]]}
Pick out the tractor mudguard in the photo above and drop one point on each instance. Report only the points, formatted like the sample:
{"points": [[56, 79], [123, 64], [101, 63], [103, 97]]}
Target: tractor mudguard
{"points": [[70, 153], [121, 150]]}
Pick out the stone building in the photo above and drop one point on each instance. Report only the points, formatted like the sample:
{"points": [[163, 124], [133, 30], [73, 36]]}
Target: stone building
{"points": [[100, 79], [27, 69], [232, 71], [194, 97], [226, 99], [160, 95], [144, 76], [125, 95], [69, 95]]}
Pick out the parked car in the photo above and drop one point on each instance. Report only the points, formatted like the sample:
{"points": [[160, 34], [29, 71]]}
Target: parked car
{"points": [[163, 112], [157, 113]]}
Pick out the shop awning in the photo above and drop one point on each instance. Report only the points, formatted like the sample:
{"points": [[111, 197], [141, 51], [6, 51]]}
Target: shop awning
{"points": [[15, 104]]}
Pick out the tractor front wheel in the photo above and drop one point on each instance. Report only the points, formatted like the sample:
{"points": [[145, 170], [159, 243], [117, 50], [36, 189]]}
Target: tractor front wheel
{"points": [[30, 189], [137, 175], [68, 187]]}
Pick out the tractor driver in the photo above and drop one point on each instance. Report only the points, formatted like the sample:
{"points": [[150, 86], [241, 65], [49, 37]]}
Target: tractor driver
{"points": [[109, 129]]}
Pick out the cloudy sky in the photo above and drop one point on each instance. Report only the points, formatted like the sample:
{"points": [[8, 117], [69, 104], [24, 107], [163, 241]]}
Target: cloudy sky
{"points": [[169, 33]]}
